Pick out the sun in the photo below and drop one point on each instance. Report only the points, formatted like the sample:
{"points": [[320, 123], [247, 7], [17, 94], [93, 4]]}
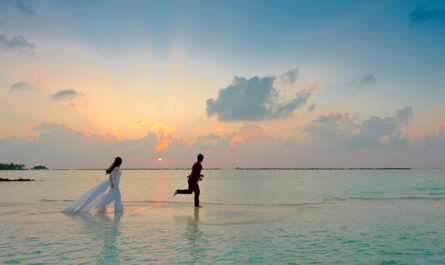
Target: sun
{"points": [[160, 159]]}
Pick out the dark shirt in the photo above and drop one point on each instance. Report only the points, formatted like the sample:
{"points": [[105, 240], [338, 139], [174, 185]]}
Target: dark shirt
{"points": [[196, 171]]}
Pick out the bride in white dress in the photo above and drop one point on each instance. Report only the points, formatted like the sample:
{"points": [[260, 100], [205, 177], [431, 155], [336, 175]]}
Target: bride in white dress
{"points": [[101, 195]]}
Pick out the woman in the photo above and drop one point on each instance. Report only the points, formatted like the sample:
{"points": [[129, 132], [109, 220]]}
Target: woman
{"points": [[97, 197]]}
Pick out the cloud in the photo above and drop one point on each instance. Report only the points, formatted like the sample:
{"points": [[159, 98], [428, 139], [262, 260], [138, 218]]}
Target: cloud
{"points": [[290, 77], [22, 6], [66, 93], [433, 141], [421, 15], [342, 140], [58, 146], [334, 127], [405, 115], [343, 131], [312, 107], [213, 141], [363, 81], [17, 43], [369, 79], [61, 147], [256, 99], [360, 84], [20, 86]]}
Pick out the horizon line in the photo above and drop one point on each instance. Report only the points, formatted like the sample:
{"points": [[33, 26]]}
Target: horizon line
{"points": [[254, 168]]}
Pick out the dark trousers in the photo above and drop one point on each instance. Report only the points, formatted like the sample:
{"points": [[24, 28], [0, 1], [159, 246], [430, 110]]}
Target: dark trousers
{"points": [[193, 187]]}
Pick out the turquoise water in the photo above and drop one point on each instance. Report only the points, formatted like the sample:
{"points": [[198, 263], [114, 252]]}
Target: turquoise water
{"points": [[249, 217]]}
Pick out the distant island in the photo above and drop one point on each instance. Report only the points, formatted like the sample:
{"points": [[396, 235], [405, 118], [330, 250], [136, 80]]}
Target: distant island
{"points": [[39, 167], [12, 166], [18, 180]]}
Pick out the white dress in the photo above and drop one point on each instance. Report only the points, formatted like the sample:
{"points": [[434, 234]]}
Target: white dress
{"points": [[99, 197]]}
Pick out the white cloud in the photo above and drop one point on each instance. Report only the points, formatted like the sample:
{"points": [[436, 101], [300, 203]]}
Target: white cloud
{"points": [[257, 99]]}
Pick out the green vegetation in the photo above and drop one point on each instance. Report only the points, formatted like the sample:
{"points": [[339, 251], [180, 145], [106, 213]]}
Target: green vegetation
{"points": [[11, 166], [39, 167], [18, 180]]}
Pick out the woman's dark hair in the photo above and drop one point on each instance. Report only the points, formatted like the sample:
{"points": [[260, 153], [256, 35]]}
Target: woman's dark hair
{"points": [[117, 162], [200, 157]]}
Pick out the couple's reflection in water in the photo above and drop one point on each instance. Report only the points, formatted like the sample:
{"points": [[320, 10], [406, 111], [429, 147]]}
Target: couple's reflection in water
{"points": [[197, 240], [103, 229]]}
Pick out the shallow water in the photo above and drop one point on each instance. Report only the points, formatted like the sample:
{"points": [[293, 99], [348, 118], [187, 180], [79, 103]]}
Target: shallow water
{"points": [[260, 217]]}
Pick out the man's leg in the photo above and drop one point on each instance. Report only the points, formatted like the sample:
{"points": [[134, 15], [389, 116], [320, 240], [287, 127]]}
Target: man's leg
{"points": [[188, 191], [197, 192]]}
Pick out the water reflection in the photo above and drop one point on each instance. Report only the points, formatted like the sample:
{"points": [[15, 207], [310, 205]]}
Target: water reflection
{"points": [[104, 231], [197, 240]]}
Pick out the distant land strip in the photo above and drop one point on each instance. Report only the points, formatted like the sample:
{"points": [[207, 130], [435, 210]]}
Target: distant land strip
{"points": [[14, 180], [155, 168], [325, 168], [261, 168]]}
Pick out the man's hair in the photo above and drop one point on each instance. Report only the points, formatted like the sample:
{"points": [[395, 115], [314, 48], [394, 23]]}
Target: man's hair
{"points": [[200, 157]]}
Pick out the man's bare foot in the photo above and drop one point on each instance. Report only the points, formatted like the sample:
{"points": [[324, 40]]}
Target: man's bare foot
{"points": [[176, 192], [199, 206]]}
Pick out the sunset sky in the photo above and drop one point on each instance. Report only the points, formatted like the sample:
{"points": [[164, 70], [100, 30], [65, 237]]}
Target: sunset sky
{"points": [[247, 83]]}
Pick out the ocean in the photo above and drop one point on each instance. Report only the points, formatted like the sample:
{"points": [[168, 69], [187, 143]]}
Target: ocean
{"points": [[248, 217]]}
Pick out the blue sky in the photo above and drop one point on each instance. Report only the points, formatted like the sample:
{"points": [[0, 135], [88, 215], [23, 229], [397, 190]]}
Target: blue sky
{"points": [[149, 57]]}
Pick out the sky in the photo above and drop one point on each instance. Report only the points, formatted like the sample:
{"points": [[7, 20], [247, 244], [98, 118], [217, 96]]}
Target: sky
{"points": [[247, 83]]}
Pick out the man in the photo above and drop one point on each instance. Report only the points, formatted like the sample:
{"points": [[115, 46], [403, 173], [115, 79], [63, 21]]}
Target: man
{"points": [[193, 179]]}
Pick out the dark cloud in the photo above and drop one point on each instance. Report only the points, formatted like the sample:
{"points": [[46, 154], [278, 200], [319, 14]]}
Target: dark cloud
{"points": [[363, 81], [331, 128], [368, 79], [22, 6], [421, 15], [66, 93], [255, 99], [20, 86], [342, 131], [405, 115], [359, 84], [17, 43], [289, 77]]}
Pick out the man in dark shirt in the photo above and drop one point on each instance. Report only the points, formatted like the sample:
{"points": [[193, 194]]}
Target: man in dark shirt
{"points": [[193, 179]]}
